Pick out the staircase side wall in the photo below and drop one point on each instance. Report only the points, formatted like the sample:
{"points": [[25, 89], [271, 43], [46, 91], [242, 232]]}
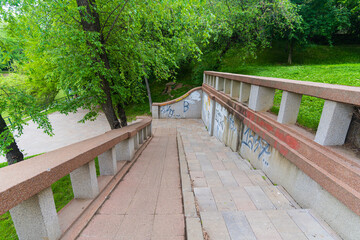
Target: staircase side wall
{"points": [[234, 133]]}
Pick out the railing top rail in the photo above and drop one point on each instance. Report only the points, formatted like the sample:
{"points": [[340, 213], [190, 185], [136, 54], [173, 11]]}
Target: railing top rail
{"points": [[333, 92], [23, 180]]}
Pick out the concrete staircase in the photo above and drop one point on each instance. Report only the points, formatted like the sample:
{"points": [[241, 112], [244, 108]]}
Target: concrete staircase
{"points": [[235, 201]]}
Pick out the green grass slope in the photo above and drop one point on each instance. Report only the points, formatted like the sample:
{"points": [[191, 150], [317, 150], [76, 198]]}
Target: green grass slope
{"points": [[334, 65]]}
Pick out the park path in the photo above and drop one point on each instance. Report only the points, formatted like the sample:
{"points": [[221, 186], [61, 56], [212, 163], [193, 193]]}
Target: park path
{"points": [[233, 200], [147, 204], [67, 131]]}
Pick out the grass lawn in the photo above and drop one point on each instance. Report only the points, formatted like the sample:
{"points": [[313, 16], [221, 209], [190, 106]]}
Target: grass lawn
{"points": [[63, 194], [335, 65]]}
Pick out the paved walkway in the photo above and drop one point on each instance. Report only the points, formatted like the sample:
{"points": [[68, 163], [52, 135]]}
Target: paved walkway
{"points": [[67, 131], [233, 200], [147, 204]]}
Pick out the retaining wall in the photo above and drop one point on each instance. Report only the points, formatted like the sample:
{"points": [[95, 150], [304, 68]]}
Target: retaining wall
{"points": [[186, 106]]}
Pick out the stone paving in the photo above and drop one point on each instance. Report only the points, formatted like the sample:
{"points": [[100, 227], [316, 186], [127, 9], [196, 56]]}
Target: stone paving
{"points": [[147, 204], [235, 201]]}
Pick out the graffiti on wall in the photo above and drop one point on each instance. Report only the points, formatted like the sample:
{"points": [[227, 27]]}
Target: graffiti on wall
{"points": [[178, 109], [206, 110], [220, 117], [169, 112], [256, 144]]}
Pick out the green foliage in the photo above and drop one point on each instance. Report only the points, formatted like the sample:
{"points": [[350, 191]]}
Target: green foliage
{"points": [[17, 103], [138, 38], [251, 25], [323, 18]]}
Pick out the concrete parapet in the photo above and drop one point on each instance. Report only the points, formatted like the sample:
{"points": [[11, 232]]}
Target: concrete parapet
{"points": [[126, 149], [261, 98], [334, 123], [36, 217], [244, 92], [235, 89], [289, 107], [107, 162], [84, 181]]}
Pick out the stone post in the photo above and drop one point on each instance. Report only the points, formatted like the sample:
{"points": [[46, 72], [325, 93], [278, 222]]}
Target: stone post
{"points": [[334, 123], [235, 89], [36, 217], [107, 162], [227, 86], [155, 112], [261, 98], [126, 149], [219, 84], [244, 92], [140, 136], [84, 181], [289, 107]]}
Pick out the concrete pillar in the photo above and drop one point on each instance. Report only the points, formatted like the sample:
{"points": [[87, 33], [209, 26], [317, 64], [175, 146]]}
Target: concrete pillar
{"points": [[140, 136], [219, 84], [204, 78], [107, 162], [213, 81], [235, 89], [84, 181], [126, 149], [144, 134], [334, 123], [261, 98], [155, 112], [136, 141], [36, 217], [244, 92], [289, 107], [212, 117], [227, 86], [148, 131]]}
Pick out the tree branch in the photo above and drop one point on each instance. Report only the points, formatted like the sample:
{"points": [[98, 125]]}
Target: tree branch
{"points": [[113, 24]]}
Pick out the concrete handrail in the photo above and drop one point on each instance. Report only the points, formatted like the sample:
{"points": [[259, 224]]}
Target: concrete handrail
{"points": [[25, 179], [177, 99], [337, 93]]}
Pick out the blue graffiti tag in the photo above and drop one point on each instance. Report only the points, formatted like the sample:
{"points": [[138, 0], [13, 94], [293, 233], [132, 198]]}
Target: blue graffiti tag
{"points": [[254, 142], [169, 111], [186, 106]]}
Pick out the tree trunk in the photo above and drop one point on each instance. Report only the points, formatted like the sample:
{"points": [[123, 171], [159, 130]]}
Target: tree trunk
{"points": [[14, 155], [122, 115], [90, 22], [290, 48], [148, 92]]}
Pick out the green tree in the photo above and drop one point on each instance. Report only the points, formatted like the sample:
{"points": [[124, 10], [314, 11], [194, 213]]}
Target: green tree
{"points": [[102, 50], [18, 105], [250, 24]]}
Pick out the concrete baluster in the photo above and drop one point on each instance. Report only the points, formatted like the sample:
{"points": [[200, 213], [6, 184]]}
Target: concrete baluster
{"points": [[36, 217], [107, 162], [136, 141], [140, 136], [126, 149], [84, 181], [334, 123], [235, 89], [227, 86], [244, 92], [261, 98], [289, 107], [219, 84]]}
